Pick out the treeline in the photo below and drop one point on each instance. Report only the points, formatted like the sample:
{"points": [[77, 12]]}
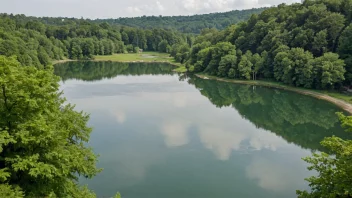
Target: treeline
{"points": [[304, 45], [187, 24], [37, 41]]}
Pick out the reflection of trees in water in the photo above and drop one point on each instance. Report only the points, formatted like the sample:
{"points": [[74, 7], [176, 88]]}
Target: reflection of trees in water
{"points": [[299, 119], [91, 71]]}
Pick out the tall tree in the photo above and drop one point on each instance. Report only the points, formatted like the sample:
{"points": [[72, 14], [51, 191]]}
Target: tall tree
{"points": [[42, 138]]}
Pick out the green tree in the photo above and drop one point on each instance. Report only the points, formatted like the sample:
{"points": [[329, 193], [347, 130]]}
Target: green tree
{"points": [[227, 62], [245, 68], [334, 177], [293, 67], [320, 43], [88, 48], [43, 57], [42, 138], [163, 46], [75, 51], [329, 70], [258, 63], [345, 51]]}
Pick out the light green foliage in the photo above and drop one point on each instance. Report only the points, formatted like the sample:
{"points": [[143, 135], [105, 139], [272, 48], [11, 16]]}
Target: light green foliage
{"points": [[227, 62], [294, 67], [196, 49], [10, 192], [42, 138], [244, 68], [334, 177], [329, 69], [129, 48], [135, 49], [217, 51]]}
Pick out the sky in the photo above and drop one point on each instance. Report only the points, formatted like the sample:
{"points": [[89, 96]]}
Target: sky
{"points": [[128, 8]]}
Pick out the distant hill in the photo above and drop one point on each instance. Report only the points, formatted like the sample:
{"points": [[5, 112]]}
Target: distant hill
{"points": [[187, 24]]}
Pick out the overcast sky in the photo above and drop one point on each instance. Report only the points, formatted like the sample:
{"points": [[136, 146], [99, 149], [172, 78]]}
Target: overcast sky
{"points": [[128, 8]]}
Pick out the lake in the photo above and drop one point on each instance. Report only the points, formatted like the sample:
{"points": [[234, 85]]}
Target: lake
{"points": [[164, 135]]}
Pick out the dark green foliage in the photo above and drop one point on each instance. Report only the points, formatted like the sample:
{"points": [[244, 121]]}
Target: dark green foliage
{"points": [[303, 45], [163, 46], [38, 41], [186, 24], [345, 51]]}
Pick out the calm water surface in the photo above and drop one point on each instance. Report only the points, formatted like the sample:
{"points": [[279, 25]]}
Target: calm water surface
{"points": [[161, 135]]}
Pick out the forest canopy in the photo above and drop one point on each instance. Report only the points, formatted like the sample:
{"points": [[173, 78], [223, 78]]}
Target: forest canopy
{"points": [[38, 41], [304, 45], [187, 24]]}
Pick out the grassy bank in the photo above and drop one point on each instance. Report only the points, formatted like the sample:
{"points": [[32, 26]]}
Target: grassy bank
{"points": [[342, 100], [140, 57], [143, 57]]}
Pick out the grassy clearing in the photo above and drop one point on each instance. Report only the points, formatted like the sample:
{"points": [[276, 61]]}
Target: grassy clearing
{"points": [[342, 100], [147, 57], [143, 57]]}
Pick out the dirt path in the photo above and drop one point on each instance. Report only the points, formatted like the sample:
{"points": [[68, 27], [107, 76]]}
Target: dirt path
{"points": [[340, 103]]}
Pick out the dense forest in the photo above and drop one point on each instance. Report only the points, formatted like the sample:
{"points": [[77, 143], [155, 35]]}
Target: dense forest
{"points": [[187, 24], [37, 41], [304, 45]]}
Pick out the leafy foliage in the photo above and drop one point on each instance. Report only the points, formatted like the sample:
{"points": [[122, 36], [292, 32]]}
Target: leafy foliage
{"points": [[304, 45], [42, 138], [334, 177], [37, 41], [187, 24]]}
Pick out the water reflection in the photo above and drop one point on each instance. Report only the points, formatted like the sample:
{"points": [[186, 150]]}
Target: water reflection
{"points": [[163, 135], [299, 119], [94, 71]]}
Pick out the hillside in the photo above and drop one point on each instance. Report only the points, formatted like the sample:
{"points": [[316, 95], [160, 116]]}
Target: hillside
{"points": [[187, 24], [304, 45], [38, 41]]}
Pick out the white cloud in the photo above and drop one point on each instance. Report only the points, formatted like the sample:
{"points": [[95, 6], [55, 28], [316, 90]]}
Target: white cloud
{"points": [[120, 116], [221, 141], [115, 9], [201, 6], [275, 175], [133, 9], [159, 6], [175, 133], [147, 9]]}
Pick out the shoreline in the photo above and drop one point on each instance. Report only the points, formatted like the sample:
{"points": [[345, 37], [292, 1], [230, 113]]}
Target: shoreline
{"points": [[180, 67], [338, 102]]}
